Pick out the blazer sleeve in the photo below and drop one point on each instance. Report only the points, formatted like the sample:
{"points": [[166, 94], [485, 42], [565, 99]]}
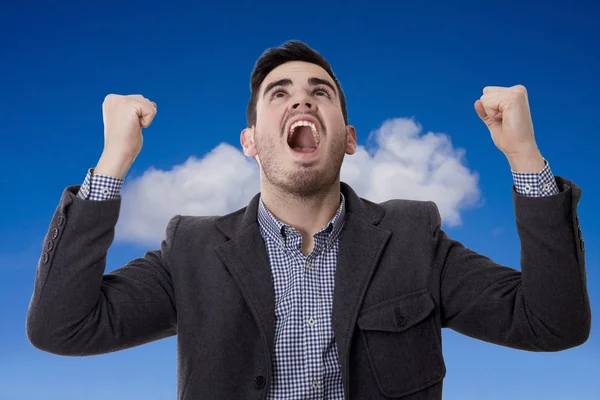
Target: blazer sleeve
{"points": [[76, 309], [544, 306]]}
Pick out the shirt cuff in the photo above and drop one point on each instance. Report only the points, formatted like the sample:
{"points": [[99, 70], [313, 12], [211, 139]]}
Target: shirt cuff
{"points": [[100, 187], [534, 184]]}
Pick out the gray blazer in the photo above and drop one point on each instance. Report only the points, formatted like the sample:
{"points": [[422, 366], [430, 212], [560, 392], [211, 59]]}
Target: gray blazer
{"points": [[399, 280]]}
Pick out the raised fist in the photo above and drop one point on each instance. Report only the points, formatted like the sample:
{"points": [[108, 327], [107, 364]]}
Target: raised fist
{"points": [[124, 117]]}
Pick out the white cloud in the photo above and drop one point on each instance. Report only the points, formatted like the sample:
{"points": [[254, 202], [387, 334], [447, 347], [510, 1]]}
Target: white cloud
{"points": [[221, 182], [403, 162]]}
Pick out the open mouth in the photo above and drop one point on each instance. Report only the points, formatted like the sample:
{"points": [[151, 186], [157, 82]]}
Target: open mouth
{"points": [[303, 136]]}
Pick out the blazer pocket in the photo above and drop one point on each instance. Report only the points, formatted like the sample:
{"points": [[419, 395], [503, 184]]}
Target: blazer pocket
{"points": [[403, 344]]}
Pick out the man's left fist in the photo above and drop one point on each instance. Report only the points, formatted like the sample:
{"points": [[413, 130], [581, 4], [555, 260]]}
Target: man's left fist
{"points": [[505, 111]]}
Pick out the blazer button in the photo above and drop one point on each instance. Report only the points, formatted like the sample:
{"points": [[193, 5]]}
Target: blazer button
{"points": [[259, 382], [50, 245], [60, 220], [45, 257], [54, 233]]}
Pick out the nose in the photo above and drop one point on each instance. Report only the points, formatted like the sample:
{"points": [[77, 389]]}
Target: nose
{"points": [[300, 105], [302, 101]]}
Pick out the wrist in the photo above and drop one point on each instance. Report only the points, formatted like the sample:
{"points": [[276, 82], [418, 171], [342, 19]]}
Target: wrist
{"points": [[113, 166], [531, 162]]}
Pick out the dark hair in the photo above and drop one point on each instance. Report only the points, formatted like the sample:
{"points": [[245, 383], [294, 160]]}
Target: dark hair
{"points": [[292, 50]]}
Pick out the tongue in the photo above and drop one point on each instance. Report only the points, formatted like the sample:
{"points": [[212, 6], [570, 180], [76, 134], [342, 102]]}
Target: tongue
{"points": [[303, 140]]}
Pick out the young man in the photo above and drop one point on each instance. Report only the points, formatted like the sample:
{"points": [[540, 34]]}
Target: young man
{"points": [[310, 292]]}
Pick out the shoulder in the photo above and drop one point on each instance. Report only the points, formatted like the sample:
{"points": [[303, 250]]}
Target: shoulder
{"points": [[192, 225], [403, 205], [412, 213], [392, 211]]}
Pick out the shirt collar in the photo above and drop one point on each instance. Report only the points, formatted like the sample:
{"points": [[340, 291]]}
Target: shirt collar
{"points": [[276, 229]]}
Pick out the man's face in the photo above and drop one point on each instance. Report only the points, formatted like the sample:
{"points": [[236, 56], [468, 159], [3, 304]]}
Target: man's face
{"points": [[300, 136]]}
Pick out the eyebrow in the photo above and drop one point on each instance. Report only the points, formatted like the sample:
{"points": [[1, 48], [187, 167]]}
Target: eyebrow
{"points": [[288, 82]]}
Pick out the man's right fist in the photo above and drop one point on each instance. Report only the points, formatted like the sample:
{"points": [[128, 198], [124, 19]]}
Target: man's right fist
{"points": [[124, 117]]}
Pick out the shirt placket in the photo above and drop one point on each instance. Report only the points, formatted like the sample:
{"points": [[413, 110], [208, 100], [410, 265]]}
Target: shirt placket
{"points": [[313, 325]]}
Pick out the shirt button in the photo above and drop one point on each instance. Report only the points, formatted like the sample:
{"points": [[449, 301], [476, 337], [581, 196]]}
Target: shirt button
{"points": [[311, 321], [281, 244], [316, 384], [308, 264], [527, 188], [104, 191], [546, 187]]}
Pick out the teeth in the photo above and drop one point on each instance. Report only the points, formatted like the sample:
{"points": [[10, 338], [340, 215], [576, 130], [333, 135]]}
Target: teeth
{"points": [[306, 123]]}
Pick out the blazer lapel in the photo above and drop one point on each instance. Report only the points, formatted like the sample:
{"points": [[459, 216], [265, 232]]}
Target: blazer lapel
{"points": [[361, 245], [246, 258]]}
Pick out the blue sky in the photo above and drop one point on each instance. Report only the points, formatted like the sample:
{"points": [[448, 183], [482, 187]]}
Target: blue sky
{"points": [[425, 62]]}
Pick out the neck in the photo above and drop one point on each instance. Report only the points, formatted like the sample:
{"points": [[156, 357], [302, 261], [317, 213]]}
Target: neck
{"points": [[308, 214]]}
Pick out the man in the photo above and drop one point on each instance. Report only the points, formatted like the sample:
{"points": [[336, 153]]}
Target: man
{"points": [[310, 292]]}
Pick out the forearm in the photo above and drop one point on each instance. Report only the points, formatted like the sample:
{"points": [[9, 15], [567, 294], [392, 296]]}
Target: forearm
{"points": [[553, 262], [70, 270]]}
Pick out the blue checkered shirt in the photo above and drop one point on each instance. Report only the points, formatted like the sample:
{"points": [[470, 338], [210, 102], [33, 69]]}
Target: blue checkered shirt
{"points": [[305, 360]]}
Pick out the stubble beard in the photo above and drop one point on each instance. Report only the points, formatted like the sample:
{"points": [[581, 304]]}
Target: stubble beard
{"points": [[304, 180]]}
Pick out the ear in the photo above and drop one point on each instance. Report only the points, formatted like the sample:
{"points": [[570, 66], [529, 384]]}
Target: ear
{"points": [[351, 140], [247, 141]]}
